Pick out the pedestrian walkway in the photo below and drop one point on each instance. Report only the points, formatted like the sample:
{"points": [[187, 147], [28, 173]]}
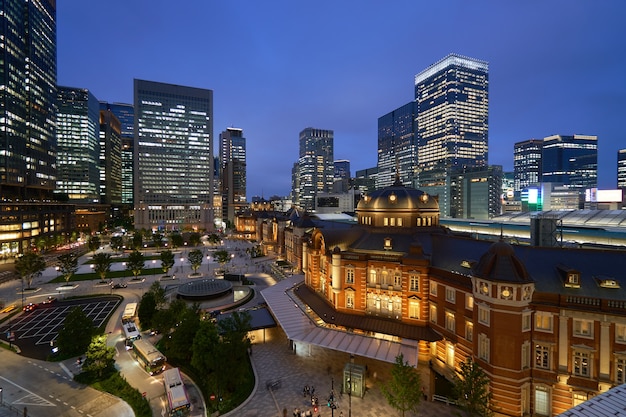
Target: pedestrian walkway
{"points": [[321, 368]]}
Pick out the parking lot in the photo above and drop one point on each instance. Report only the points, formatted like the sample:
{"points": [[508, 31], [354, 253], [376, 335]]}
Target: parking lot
{"points": [[34, 330]]}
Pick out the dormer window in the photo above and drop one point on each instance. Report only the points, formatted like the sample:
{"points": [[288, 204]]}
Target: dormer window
{"points": [[569, 276], [573, 280], [387, 245], [606, 282]]}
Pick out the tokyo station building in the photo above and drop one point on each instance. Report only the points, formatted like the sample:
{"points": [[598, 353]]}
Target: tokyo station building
{"points": [[547, 324]]}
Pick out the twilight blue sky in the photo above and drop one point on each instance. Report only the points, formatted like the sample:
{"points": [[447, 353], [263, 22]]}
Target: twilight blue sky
{"points": [[277, 67]]}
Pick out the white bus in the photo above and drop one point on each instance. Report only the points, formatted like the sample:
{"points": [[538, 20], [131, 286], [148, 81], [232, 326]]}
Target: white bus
{"points": [[131, 333], [129, 312], [177, 398], [148, 356]]}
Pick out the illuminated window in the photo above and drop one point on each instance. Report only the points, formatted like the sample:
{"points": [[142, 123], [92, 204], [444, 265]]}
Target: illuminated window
{"points": [[542, 356], [469, 301], [578, 398], [433, 288], [542, 400], [450, 322], [581, 363], [350, 299], [433, 313], [620, 333], [543, 321], [397, 279], [372, 276], [450, 355], [414, 309], [620, 370], [450, 295], [469, 330], [350, 276], [414, 282], [583, 328], [483, 315]]}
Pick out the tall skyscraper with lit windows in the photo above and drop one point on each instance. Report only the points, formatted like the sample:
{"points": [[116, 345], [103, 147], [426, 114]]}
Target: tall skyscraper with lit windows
{"points": [[397, 147], [571, 160], [315, 169], [527, 163], [621, 168], [125, 113], [173, 156], [452, 122], [232, 171]]}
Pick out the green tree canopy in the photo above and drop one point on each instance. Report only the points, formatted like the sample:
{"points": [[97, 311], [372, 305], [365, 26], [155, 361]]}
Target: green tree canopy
{"points": [[194, 238], [157, 240], [75, 336], [137, 240], [167, 260], [471, 388], [204, 350], [68, 265], [181, 339], [147, 310], [234, 348], [29, 266], [135, 263], [214, 238], [195, 259], [158, 292], [102, 264], [93, 243], [403, 390], [176, 239], [222, 257], [116, 243], [99, 359]]}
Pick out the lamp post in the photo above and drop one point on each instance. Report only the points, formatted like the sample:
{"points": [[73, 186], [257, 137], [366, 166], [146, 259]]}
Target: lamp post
{"points": [[153, 269], [182, 266], [0, 395]]}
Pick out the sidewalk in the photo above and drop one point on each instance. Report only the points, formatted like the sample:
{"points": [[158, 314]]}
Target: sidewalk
{"points": [[273, 360]]}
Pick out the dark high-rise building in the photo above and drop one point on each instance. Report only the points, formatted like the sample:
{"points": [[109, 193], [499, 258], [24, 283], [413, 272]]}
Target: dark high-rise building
{"points": [[173, 156], [397, 147], [233, 171], [315, 169], [527, 163], [571, 161], [125, 113], [342, 176], [621, 168], [28, 77], [110, 159], [78, 132], [452, 98]]}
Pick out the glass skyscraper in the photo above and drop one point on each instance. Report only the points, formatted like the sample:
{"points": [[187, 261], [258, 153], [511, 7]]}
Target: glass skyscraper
{"points": [[78, 137], [621, 168], [315, 168], [571, 161], [233, 171], [173, 156], [452, 98], [527, 163], [125, 113], [110, 159], [397, 147]]}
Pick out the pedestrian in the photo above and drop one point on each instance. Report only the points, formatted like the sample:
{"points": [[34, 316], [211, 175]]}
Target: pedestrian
{"points": [[312, 390], [304, 391]]}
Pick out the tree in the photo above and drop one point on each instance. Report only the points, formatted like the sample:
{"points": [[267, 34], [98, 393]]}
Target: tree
{"points": [[117, 243], [68, 265], [403, 390], [176, 239], [194, 238], [137, 240], [167, 260], [471, 387], [135, 263], [234, 348], [195, 259], [204, 349], [93, 243], [102, 264], [180, 340], [158, 292], [214, 238], [147, 310], [157, 240], [222, 257], [29, 266], [75, 336], [99, 359]]}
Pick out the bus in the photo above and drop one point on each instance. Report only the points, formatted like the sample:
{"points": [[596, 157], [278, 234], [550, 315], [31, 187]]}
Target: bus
{"points": [[129, 312], [131, 333], [177, 399], [148, 356]]}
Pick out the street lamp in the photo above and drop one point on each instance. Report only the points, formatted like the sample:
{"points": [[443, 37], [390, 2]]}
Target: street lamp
{"points": [[153, 268], [0, 395], [182, 266]]}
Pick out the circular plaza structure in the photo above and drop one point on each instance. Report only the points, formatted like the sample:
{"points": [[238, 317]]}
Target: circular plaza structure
{"points": [[205, 289]]}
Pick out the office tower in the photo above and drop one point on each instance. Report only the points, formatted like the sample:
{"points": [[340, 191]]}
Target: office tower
{"points": [[315, 165], [527, 163], [78, 132], [571, 161], [125, 113], [233, 171], [397, 147], [621, 168], [173, 156], [365, 180], [478, 193], [28, 99], [452, 121], [110, 159], [342, 179]]}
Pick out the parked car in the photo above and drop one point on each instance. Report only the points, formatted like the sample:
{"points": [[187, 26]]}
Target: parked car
{"points": [[119, 285], [30, 307], [51, 299]]}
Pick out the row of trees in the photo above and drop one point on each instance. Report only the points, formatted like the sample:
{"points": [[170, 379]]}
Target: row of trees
{"points": [[471, 392], [175, 240]]}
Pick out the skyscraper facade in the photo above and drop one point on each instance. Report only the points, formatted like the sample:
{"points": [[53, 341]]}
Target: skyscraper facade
{"points": [[78, 131], [315, 165], [173, 156], [28, 77], [571, 161], [527, 163], [233, 171], [452, 99], [397, 147], [125, 113], [110, 160], [342, 176], [621, 168]]}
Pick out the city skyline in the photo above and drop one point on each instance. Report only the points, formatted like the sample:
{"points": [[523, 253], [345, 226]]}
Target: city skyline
{"points": [[276, 70]]}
